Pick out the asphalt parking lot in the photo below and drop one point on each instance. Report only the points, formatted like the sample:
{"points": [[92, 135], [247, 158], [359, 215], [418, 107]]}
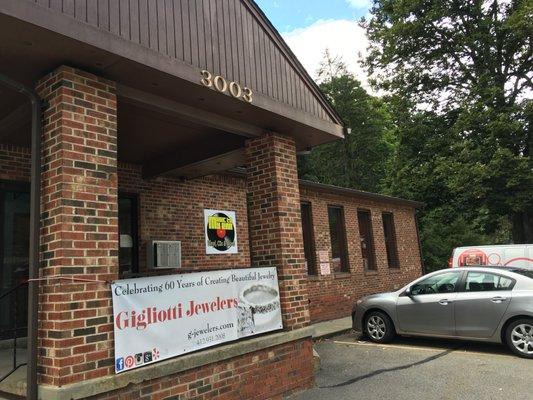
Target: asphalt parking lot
{"points": [[415, 369]]}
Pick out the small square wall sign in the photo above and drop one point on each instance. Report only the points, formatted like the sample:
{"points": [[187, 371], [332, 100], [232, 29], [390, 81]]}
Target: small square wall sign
{"points": [[325, 269], [220, 232]]}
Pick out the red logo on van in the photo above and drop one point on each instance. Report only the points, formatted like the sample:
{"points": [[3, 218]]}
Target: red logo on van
{"points": [[472, 257]]}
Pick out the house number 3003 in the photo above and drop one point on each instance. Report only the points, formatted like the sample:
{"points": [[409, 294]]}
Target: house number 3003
{"points": [[220, 84]]}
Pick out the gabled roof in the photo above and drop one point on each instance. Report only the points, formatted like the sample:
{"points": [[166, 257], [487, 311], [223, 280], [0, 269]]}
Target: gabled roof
{"points": [[296, 64], [161, 47]]}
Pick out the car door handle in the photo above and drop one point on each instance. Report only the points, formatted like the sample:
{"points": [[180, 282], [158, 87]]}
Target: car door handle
{"points": [[445, 302], [498, 299]]}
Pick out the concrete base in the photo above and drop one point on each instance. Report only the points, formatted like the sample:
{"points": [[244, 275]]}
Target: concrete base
{"points": [[81, 390], [16, 382], [333, 327]]}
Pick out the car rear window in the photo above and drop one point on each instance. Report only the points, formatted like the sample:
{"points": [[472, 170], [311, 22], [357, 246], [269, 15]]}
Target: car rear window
{"points": [[524, 272]]}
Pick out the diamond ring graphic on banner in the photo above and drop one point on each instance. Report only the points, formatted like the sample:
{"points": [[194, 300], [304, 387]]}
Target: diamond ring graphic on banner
{"points": [[258, 306], [220, 232]]}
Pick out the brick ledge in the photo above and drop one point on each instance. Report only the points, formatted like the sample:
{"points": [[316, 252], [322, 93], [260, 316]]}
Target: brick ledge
{"points": [[81, 390]]}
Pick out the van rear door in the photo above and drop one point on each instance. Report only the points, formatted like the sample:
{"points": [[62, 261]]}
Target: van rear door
{"points": [[518, 256]]}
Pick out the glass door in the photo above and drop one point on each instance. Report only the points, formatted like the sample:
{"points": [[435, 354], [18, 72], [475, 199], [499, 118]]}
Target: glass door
{"points": [[127, 225], [14, 252]]}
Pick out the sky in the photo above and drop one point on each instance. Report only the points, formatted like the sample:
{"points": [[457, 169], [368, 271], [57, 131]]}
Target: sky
{"points": [[311, 26]]}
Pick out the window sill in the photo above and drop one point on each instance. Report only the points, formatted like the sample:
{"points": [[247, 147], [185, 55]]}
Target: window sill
{"points": [[395, 270], [342, 275], [333, 275], [320, 277]]}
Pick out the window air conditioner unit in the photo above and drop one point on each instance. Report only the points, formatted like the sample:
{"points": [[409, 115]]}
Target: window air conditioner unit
{"points": [[164, 254]]}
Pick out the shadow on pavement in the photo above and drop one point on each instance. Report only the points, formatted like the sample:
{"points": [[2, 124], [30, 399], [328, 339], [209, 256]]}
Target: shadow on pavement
{"points": [[399, 368]]}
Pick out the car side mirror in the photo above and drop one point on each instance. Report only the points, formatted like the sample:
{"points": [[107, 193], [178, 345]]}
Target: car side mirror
{"points": [[408, 292]]}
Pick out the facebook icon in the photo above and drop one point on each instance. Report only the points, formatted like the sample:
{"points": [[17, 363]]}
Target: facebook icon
{"points": [[119, 366]]}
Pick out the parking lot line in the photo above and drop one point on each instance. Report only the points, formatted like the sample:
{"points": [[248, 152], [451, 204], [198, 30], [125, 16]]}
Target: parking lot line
{"points": [[395, 346], [460, 350]]}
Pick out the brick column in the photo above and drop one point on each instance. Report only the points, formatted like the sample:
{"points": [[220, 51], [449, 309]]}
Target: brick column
{"points": [[275, 221], [79, 235]]}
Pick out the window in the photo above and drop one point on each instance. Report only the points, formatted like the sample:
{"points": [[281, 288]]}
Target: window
{"points": [[524, 272], [390, 240], [441, 283], [337, 233], [309, 243], [127, 226], [367, 241], [14, 255], [485, 282]]}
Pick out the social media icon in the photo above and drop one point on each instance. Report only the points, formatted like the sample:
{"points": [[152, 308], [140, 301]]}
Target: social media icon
{"points": [[129, 361], [119, 364], [139, 358], [148, 356]]}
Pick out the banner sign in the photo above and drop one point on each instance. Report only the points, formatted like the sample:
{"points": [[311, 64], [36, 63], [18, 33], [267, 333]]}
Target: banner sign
{"points": [[160, 317], [220, 232]]}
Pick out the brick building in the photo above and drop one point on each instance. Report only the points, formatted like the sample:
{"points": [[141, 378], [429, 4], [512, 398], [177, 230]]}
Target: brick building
{"points": [[141, 116], [374, 261]]}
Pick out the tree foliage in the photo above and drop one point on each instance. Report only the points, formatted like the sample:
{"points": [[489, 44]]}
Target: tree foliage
{"points": [[360, 160], [459, 74], [449, 52], [454, 129], [425, 167]]}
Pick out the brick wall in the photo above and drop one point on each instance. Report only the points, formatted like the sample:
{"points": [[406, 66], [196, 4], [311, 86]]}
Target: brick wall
{"points": [[267, 374], [172, 209], [333, 296], [79, 239], [79, 226], [275, 222], [14, 163]]}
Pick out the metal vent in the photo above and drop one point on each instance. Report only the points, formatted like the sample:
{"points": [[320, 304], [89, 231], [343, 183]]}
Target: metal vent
{"points": [[164, 254]]}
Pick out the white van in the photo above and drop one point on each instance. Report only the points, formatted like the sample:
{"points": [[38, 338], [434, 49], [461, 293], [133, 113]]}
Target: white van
{"points": [[505, 255]]}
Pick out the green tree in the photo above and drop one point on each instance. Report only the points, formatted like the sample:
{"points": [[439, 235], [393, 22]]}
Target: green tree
{"points": [[360, 160], [462, 71], [424, 167]]}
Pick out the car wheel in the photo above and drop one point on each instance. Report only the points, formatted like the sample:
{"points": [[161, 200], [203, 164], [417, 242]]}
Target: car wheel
{"points": [[519, 336], [379, 327]]}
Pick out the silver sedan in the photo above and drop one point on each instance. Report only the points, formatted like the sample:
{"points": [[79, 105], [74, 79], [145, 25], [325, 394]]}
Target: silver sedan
{"points": [[471, 303]]}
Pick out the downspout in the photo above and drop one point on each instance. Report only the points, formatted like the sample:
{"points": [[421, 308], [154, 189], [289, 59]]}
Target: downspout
{"points": [[35, 198], [419, 242]]}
